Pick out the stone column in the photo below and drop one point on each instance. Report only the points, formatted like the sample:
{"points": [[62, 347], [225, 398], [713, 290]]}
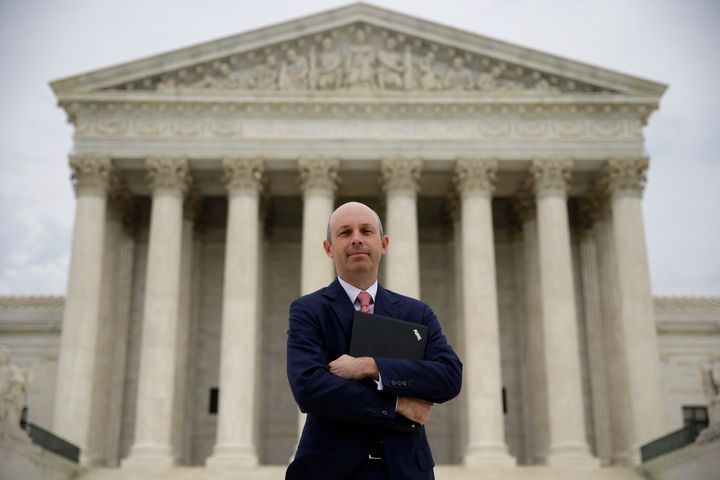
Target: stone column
{"points": [[595, 327], [535, 355], [239, 344], [401, 182], [156, 400], [475, 180], [319, 178], [183, 391], [625, 179], [614, 353], [74, 398], [567, 440]]}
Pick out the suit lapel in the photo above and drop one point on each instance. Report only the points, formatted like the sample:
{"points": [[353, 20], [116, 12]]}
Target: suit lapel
{"points": [[341, 305], [385, 303]]}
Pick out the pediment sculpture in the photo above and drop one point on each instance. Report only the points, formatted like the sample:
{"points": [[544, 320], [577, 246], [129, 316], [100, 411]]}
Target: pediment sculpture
{"points": [[359, 58]]}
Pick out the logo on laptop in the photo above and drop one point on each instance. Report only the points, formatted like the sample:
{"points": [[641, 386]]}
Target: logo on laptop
{"points": [[417, 334]]}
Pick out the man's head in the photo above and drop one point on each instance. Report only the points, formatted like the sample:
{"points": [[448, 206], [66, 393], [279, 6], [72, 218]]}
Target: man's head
{"points": [[356, 243]]}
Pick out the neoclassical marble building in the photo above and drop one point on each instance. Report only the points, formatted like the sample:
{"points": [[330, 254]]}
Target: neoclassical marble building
{"points": [[510, 182]]}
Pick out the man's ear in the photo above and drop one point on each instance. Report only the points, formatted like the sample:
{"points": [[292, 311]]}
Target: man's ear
{"points": [[328, 248], [384, 241]]}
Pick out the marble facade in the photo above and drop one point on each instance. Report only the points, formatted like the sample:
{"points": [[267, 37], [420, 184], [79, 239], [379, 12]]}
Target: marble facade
{"points": [[510, 182]]}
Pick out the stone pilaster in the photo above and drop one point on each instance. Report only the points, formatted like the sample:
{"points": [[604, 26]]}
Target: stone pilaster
{"points": [[534, 364], [475, 181], [156, 402], [76, 395], [567, 440], [590, 208], [624, 180], [239, 343], [400, 178]]}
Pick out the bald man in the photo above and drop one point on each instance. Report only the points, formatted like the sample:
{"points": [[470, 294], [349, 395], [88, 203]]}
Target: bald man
{"points": [[352, 403]]}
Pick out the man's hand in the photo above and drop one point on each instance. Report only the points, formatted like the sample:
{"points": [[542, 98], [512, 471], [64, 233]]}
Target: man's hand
{"points": [[354, 368], [415, 409]]}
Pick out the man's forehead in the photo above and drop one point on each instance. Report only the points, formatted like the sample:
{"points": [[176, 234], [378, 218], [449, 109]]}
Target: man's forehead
{"points": [[353, 216]]}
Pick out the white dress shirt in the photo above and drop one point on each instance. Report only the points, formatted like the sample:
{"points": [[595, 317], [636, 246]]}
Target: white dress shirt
{"points": [[352, 293]]}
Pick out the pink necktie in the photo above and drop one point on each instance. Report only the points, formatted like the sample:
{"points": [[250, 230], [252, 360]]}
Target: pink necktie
{"points": [[365, 300]]}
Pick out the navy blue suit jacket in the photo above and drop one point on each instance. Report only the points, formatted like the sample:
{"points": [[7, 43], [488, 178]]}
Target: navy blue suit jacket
{"points": [[348, 418]]}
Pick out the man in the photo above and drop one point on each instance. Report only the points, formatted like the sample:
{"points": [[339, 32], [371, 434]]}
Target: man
{"points": [[352, 403]]}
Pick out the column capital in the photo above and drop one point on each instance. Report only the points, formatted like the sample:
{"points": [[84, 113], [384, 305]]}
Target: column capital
{"points": [[193, 203], [593, 206], [625, 175], [168, 173], [319, 173], [550, 176], [475, 175], [243, 174], [90, 174], [524, 206], [400, 173]]}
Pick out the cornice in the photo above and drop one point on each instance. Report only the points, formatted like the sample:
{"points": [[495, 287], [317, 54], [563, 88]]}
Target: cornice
{"points": [[31, 302], [674, 302]]}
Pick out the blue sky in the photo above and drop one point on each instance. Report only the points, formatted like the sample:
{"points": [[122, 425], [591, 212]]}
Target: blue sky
{"points": [[668, 41]]}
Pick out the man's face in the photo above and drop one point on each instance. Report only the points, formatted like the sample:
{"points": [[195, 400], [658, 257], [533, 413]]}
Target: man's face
{"points": [[357, 245]]}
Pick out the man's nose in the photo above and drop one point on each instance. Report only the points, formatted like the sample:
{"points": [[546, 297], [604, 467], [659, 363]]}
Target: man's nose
{"points": [[356, 237]]}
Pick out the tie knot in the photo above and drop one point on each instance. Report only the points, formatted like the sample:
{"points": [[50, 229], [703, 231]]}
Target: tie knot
{"points": [[364, 299]]}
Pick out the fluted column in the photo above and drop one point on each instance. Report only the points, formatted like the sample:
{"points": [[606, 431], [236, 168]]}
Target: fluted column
{"points": [[156, 400], [238, 350], [536, 401], [625, 179], [401, 182], [81, 317], [613, 350], [319, 178], [475, 180], [567, 441], [595, 328], [183, 388]]}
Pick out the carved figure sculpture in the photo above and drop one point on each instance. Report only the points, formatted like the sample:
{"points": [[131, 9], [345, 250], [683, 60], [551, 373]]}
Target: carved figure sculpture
{"points": [[13, 391], [458, 77], [294, 72], [329, 69], [428, 76], [488, 81], [266, 75], [359, 64], [390, 66]]}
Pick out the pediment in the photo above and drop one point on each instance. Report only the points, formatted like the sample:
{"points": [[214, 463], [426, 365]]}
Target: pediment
{"points": [[358, 48]]}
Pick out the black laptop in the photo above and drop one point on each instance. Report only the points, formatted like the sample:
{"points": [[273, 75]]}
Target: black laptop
{"points": [[386, 337]]}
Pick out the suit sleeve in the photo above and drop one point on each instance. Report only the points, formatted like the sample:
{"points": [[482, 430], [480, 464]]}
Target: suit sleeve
{"points": [[318, 391], [437, 378]]}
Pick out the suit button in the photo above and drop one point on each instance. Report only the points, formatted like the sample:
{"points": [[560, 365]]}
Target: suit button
{"points": [[404, 383], [384, 412], [392, 382]]}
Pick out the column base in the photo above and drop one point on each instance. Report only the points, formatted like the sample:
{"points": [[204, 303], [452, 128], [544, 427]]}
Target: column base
{"points": [[492, 455], [233, 455], [149, 456], [571, 455]]}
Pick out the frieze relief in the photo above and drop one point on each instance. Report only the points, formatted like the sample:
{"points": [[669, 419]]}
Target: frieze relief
{"points": [[492, 127], [359, 58]]}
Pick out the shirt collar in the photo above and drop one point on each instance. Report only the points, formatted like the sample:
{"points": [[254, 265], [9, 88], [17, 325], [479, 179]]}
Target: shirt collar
{"points": [[352, 291]]}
